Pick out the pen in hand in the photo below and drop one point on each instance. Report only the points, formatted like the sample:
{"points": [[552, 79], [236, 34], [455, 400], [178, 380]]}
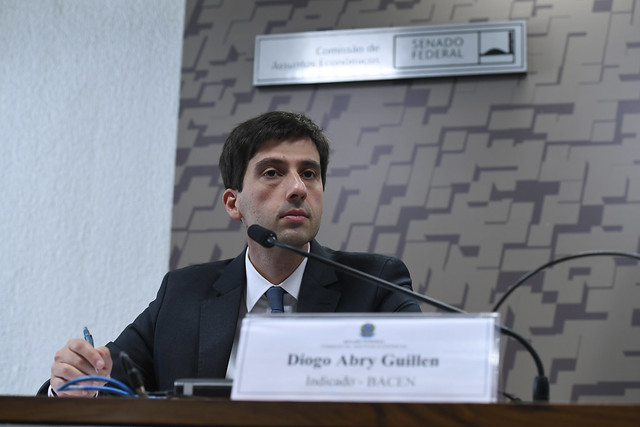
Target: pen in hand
{"points": [[87, 336]]}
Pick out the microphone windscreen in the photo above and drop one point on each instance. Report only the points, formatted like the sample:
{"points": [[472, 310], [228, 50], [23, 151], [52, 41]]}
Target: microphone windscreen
{"points": [[261, 235]]}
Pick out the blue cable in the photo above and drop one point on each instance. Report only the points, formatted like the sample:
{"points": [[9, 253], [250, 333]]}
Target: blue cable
{"points": [[97, 387], [124, 389]]}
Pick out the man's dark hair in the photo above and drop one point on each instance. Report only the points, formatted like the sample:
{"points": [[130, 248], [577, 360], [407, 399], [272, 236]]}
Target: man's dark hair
{"points": [[246, 138]]}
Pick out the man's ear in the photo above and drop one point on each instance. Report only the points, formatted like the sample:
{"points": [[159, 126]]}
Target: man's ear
{"points": [[230, 198]]}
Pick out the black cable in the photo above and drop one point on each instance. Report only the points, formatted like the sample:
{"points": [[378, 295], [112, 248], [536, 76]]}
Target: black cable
{"points": [[531, 273], [134, 375]]}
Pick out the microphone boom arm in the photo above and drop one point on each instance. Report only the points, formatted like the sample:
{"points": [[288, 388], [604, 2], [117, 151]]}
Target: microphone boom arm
{"points": [[361, 274], [541, 382]]}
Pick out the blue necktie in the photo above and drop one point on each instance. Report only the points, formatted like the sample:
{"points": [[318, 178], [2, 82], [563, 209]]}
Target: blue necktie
{"points": [[274, 296]]}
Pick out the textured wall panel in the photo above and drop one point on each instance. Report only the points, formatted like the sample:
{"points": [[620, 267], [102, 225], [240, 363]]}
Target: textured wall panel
{"points": [[472, 181]]}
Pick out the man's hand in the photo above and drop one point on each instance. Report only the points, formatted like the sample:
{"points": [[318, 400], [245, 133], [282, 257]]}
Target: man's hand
{"points": [[77, 359]]}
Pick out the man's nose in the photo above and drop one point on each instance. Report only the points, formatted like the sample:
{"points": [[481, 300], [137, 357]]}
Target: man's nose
{"points": [[296, 187]]}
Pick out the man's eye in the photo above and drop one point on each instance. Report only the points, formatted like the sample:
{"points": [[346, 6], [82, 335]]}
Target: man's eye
{"points": [[308, 174], [270, 173]]}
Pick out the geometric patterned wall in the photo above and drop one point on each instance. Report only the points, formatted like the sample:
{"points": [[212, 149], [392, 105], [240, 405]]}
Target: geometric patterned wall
{"points": [[472, 181]]}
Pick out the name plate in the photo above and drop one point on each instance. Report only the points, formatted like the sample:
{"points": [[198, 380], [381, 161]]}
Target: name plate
{"points": [[368, 358], [390, 53]]}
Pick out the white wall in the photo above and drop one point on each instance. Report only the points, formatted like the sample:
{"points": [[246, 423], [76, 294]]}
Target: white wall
{"points": [[88, 120]]}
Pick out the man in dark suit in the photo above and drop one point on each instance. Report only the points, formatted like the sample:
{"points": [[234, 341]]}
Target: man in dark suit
{"points": [[274, 171]]}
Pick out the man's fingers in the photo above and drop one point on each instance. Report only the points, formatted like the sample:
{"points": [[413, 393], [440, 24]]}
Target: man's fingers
{"points": [[61, 373], [81, 354], [78, 359], [71, 365], [107, 364]]}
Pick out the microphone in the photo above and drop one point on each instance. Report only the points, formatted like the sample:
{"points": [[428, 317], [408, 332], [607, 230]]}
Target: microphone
{"points": [[261, 235], [268, 239]]}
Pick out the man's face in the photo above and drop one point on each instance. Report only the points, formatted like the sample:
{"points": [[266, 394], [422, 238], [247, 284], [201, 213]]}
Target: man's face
{"points": [[282, 191]]}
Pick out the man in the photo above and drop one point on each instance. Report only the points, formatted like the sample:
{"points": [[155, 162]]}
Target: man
{"points": [[274, 170]]}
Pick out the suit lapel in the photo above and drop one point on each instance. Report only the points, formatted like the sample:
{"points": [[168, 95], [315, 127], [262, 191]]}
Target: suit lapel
{"points": [[219, 311], [218, 317], [316, 296]]}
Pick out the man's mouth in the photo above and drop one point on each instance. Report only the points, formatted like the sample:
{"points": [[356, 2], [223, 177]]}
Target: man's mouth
{"points": [[296, 215]]}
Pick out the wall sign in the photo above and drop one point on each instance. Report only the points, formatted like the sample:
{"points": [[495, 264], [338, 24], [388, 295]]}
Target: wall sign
{"points": [[390, 53]]}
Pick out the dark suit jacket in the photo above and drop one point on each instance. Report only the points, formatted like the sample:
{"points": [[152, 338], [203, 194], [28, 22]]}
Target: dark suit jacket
{"points": [[188, 330]]}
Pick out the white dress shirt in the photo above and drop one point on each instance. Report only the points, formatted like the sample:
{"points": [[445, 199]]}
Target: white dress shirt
{"points": [[256, 300]]}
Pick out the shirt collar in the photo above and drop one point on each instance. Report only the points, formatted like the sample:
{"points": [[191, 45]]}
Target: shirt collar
{"points": [[258, 285]]}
